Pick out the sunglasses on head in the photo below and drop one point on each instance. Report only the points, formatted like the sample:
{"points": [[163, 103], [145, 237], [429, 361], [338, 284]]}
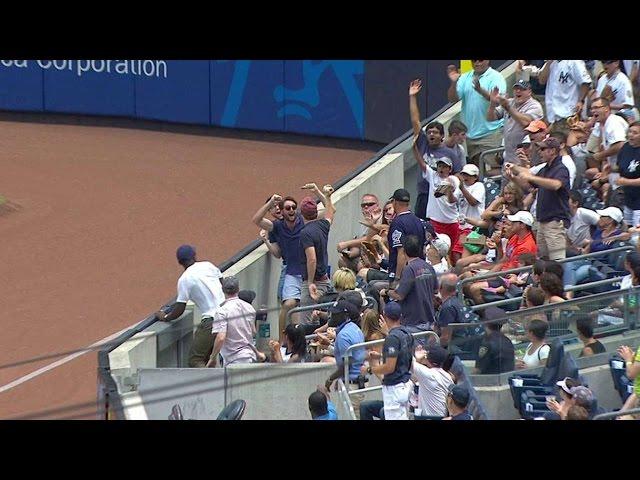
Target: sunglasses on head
{"points": [[367, 204]]}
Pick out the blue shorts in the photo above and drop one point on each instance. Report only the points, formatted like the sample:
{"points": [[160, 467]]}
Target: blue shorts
{"points": [[292, 287]]}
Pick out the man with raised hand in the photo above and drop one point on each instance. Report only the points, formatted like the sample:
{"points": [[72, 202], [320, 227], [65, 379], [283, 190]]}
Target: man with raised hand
{"points": [[473, 88], [314, 239], [285, 243]]}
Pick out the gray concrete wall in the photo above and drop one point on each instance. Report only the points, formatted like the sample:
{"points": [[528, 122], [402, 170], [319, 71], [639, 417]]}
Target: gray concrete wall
{"points": [[276, 391], [200, 392]]}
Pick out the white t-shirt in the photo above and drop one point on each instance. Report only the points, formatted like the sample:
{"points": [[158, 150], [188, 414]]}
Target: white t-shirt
{"points": [[200, 283], [626, 282], [563, 87], [477, 191], [533, 359], [615, 130], [439, 209], [580, 230], [620, 86], [433, 390]]}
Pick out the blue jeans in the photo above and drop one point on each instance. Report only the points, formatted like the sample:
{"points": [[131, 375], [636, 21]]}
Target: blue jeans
{"points": [[575, 272], [371, 409]]}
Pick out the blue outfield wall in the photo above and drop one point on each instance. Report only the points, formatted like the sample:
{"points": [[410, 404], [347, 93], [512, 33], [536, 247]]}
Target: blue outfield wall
{"points": [[312, 97]]}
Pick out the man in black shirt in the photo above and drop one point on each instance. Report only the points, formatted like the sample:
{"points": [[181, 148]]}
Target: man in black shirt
{"points": [[628, 163], [496, 353], [314, 237], [553, 198], [397, 354], [405, 223], [450, 312]]}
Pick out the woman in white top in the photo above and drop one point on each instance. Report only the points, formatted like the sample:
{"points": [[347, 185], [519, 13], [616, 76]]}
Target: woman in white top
{"points": [[537, 351]]}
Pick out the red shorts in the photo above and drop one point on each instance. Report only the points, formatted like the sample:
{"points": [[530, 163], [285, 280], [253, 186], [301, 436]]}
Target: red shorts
{"points": [[451, 229], [458, 247]]}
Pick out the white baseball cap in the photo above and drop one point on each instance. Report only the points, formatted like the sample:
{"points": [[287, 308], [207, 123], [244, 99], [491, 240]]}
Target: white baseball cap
{"points": [[523, 217], [470, 169], [612, 212]]}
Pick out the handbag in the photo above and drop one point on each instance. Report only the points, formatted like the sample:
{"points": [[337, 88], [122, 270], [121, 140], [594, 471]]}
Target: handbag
{"points": [[475, 242]]}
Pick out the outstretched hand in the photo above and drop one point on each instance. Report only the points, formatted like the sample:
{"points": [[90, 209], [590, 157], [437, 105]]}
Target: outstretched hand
{"points": [[414, 87], [453, 73]]}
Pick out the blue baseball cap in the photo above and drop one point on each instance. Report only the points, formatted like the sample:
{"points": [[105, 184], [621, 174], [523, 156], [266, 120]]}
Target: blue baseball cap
{"points": [[393, 310], [185, 253]]}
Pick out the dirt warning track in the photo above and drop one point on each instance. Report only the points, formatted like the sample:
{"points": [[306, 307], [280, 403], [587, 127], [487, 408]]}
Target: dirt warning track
{"points": [[91, 221]]}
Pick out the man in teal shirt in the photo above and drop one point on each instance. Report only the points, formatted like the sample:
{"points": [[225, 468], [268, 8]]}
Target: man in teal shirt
{"points": [[473, 88]]}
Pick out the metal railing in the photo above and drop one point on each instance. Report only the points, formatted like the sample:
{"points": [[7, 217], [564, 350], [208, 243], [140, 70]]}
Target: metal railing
{"points": [[619, 413], [347, 357], [481, 160], [345, 400], [316, 306], [486, 276], [572, 288]]}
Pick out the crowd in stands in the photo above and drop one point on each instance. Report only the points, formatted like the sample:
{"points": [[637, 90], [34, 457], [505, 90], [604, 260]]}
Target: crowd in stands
{"points": [[562, 180]]}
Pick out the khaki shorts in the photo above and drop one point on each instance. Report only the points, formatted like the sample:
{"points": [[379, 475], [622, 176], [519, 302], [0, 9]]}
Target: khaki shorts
{"points": [[552, 240]]}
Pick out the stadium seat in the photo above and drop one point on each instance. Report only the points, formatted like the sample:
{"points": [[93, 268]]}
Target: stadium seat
{"points": [[621, 382], [233, 411], [548, 377]]}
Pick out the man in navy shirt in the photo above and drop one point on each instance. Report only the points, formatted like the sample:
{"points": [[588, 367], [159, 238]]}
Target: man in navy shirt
{"points": [[314, 238], [629, 163], [418, 285], [553, 198], [405, 223], [285, 242], [397, 355], [457, 402], [430, 147], [451, 311]]}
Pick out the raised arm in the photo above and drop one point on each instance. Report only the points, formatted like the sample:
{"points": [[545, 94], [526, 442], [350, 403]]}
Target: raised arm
{"points": [[418, 156], [454, 76], [259, 217], [543, 75], [414, 111]]}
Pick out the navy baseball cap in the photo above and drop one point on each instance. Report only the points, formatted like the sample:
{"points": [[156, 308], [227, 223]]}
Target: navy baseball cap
{"points": [[401, 195], [185, 253], [393, 310], [522, 84], [436, 355], [341, 310], [460, 395]]}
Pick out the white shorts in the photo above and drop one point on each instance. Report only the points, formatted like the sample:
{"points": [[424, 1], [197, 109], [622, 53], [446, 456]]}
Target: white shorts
{"points": [[396, 400], [292, 287]]}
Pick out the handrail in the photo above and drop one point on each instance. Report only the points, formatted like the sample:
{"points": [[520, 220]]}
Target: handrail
{"points": [[569, 303], [572, 288], [486, 276], [347, 353], [343, 395], [481, 159], [619, 413], [306, 308]]}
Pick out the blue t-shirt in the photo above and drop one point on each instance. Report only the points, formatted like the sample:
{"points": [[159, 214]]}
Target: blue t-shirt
{"points": [[289, 243], [475, 106], [628, 162], [597, 245], [405, 223], [315, 234], [554, 204], [331, 412], [462, 416], [348, 334], [442, 151], [417, 304]]}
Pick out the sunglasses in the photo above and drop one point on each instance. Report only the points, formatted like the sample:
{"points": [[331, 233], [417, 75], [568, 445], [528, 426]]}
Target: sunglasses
{"points": [[290, 207], [367, 204]]}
